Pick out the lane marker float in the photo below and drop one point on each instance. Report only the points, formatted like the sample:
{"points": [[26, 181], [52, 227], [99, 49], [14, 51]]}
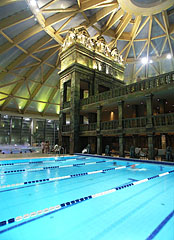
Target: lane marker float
{"points": [[60, 178], [70, 203], [51, 167]]}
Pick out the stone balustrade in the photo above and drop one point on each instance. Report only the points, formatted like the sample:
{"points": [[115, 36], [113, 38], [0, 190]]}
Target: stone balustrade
{"points": [[109, 125], [140, 122], [143, 85], [134, 122], [66, 128], [88, 127], [163, 119]]}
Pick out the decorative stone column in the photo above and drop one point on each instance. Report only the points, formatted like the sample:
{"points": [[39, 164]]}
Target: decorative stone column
{"points": [[98, 131], [120, 114], [150, 147], [120, 127], [121, 145], [99, 144], [149, 113], [74, 112]]}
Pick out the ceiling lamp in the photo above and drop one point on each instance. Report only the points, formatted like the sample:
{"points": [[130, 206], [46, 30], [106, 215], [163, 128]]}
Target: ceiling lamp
{"points": [[144, 60], [169, 56]]}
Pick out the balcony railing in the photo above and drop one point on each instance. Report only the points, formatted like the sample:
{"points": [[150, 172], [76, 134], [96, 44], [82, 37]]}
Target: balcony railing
{"points": [[143, 85], [134, 122], [88, 127], [163, 119], [66, 128], [158, 120], [109, 125]]}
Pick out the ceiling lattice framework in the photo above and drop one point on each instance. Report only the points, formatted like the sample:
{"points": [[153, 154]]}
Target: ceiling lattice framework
{"points": [[32, 33]]}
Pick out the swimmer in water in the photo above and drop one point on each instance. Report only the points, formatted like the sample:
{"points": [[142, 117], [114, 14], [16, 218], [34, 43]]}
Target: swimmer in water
{"points": [[133, 166]]}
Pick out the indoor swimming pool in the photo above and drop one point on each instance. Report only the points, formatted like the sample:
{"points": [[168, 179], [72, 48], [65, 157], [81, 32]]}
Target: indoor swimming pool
{"points": [[85, 197]]}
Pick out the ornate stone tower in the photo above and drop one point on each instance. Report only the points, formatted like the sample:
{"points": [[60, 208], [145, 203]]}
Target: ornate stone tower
{"points": [[88, 67]]}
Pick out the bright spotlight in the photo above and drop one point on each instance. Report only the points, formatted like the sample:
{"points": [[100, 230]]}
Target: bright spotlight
{"points": [[144, 60], [33, 3], [150, 61], [169, 56]]}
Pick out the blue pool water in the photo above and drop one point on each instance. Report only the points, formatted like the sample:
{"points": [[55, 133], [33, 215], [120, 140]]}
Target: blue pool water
{"points": [[68, 198]]}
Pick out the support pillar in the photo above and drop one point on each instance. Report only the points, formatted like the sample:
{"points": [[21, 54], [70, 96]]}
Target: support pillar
{"points": [[74, 112], [120, 113], [121, 146], [150, 147], [98, 130], [149, 113], [99, 144]]}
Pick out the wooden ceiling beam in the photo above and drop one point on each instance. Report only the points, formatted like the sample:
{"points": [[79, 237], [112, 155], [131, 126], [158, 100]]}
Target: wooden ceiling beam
{"points": [[25, 98], [37, 88], [27, 75], [64, 25], [75, 8], [140, 68], [90, 4], [135, 27], [15, 19], [58, 17], [23, 56], [17, 86], [142, 26], [48, 4], [45, 77], [7, 2], [133, 35], [160, 24], [115, 19], [124, 48], [166, 23], [47, 48], [164, 43], [149, 36], [54, 91], [122, 25], [154, 48], [142, 50], [21, 37], [101, 14], [153, 66]]}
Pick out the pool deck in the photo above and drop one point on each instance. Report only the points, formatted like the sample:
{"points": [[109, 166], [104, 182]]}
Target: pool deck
{"points": [[28, 156]]}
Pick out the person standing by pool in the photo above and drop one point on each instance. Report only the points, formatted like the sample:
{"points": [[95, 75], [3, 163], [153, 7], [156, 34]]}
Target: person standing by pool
{"points": [[169, 153], [43, 146], [107, 150], [132, 152]]}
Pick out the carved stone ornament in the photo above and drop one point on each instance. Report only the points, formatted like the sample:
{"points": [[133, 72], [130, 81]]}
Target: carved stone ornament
{"points": [[82, 36]]}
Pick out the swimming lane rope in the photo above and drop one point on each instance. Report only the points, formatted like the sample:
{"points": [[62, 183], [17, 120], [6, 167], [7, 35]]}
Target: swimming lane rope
{"points": [[46, 161], [60, 178], [51, 167], [67, 204]]}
